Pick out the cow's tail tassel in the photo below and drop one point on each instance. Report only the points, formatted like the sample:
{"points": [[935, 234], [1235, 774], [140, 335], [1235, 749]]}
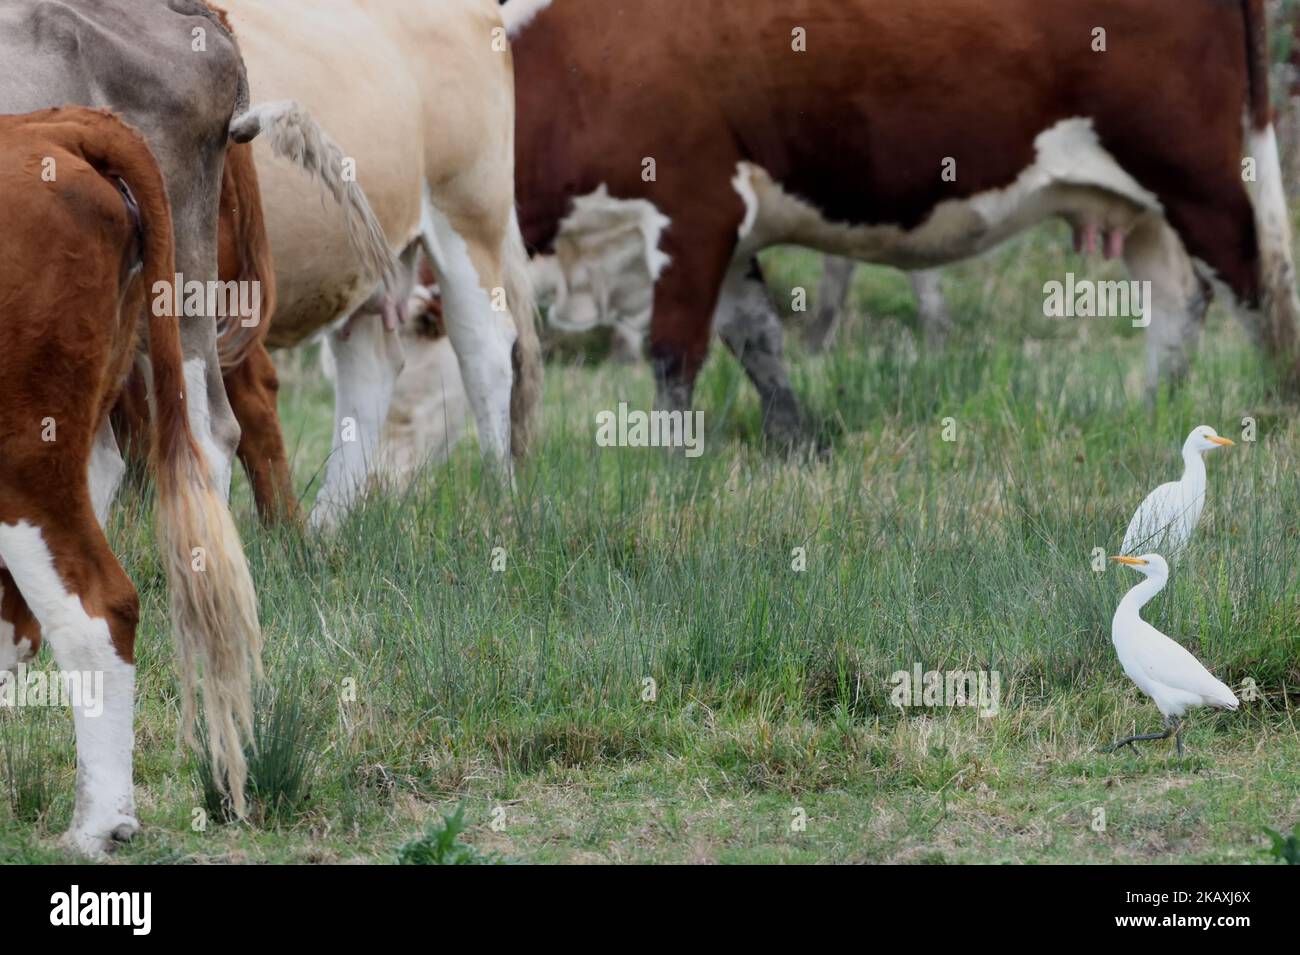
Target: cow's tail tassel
{"points": [[526, 358], [213, 604]]}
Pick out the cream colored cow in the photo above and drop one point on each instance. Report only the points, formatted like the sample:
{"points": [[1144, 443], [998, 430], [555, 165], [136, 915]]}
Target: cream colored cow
{"points": [[419, 94]]}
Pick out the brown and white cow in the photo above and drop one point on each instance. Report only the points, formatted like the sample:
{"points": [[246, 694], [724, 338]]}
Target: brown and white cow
{"points": [[910, 134], [86, 245], [173, 69]]}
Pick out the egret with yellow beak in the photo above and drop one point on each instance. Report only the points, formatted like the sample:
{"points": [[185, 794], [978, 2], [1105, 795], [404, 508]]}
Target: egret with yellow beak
{"points": [[1162, 669], [1166, 519]]}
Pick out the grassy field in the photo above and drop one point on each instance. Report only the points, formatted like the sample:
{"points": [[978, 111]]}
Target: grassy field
{"points": [[407, 679]]}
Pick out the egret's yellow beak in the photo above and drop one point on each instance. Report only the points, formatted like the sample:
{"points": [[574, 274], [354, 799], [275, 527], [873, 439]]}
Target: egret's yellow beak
{"points": [[1226, 442], [1131, 561]]}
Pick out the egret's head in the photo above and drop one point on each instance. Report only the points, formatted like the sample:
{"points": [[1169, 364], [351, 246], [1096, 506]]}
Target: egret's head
{"points": [[1205, 439], [1148, 565]]}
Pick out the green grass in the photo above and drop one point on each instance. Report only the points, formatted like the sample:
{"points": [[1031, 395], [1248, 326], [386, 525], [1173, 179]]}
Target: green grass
{"points": [[410, 679]]}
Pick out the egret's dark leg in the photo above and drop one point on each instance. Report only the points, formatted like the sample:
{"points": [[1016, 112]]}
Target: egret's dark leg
{"points": [[1178, 737], [1129, 741]]}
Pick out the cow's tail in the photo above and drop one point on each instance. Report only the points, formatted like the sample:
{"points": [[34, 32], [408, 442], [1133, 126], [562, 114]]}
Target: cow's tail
{"points": [[1280, 305], [213, 603], [294, 135], [526, 358], [517, 14]]}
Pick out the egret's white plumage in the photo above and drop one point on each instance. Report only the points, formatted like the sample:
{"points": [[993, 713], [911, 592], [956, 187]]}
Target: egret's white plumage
{"points": [[1165, 520], [1163, 669]]}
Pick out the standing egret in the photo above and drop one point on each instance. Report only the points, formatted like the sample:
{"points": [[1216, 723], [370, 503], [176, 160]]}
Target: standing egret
{"points": [[1166, 519], [1162, 669]]}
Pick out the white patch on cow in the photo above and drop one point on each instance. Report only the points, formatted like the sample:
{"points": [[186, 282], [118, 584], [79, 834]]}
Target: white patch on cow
{"points": [[743, 184], [517, 14], [1268, 194], [1273, 226], [1072, 176], [366, 363], [606, 262], [482, 337], [105, 806], [105, 471], [196, 400]]}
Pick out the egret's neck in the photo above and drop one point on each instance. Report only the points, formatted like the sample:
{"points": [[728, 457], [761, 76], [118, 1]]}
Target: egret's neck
{"points": [[1193, 469], [1139, 596]]}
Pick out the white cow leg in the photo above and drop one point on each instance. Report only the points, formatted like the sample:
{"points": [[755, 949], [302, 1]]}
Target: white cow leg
{"points": [[482, 337], [931, 307], [747, 322], [367, 360], [832, 300], [627, 343], [1155, 254], [211, 419], [103, 705], [106, 471]]}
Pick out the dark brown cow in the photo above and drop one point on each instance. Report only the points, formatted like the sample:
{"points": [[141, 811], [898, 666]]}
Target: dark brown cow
{"points": [[911, 134], [87, 236]]}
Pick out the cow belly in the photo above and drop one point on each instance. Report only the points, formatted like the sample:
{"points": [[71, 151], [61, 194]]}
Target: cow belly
{"points": [[312, 51], [1072, 176]]}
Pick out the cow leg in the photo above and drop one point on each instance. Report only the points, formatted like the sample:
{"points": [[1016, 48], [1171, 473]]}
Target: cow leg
{"points": [[1155, 254], [20, 635], [211, 418], [212, 421], [1275, 267], [482, 336], [833, 295], [130, 420], [931, 308], [747, 322], [253, 387], [626, 344], [367, 360], [105, 472], [679, 344], [700, 244], [832, 299], [87, 607], [1243, 237]]}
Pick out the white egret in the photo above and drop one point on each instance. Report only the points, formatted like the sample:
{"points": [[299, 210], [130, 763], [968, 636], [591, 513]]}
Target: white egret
{"points": [[1162, 669], [1166, 519]]}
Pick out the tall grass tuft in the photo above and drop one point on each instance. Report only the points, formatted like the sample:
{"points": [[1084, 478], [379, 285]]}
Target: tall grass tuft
{"points": [[282, 761], [32, 746]]}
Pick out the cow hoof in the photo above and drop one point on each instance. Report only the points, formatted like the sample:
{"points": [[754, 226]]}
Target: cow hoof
{"points": [[787, 433], [325, 519], [125, 831], [96, 842]]}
